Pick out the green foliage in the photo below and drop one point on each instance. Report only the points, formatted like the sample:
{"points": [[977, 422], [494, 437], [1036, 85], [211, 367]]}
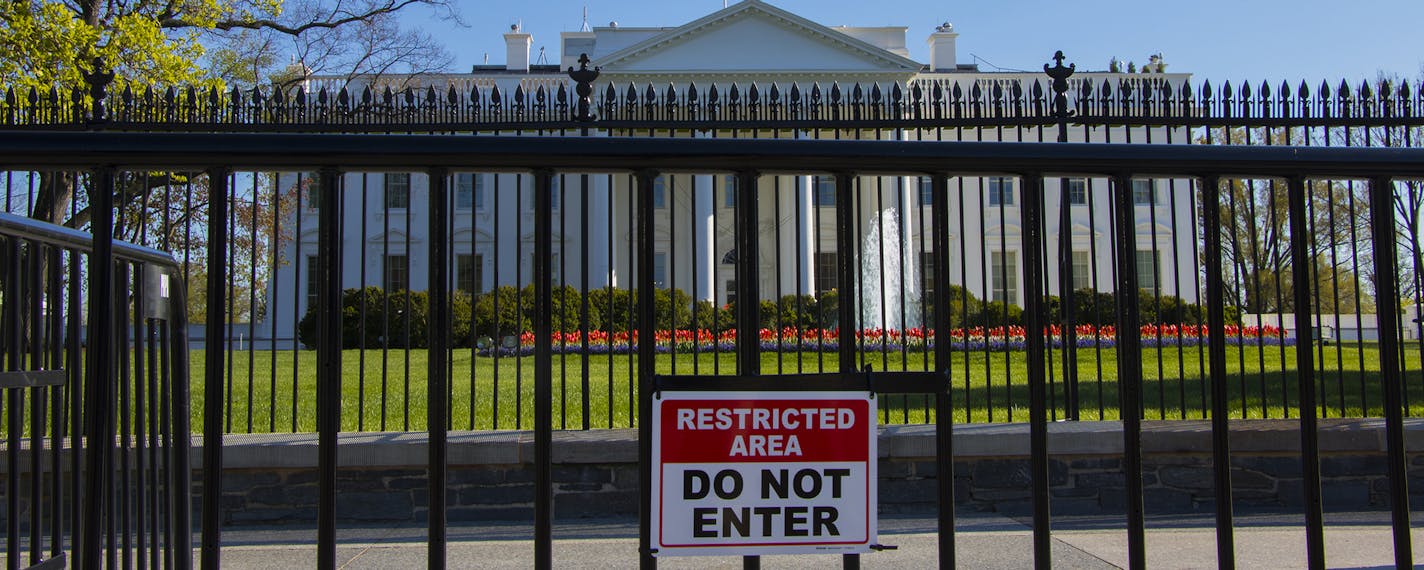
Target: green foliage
{"points": [[997, 313]]}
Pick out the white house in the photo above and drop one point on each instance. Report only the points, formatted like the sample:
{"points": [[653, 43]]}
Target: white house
{"points": [[750, 42]]}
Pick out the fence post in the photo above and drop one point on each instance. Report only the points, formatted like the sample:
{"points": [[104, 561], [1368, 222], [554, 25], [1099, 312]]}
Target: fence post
{"points": [[1301, 261], [1035, 321], [438, 360], [1382, 227], [99, 419], [1216, 354], [944, 405], [647, 351], [328, 374], [543, 371], [214, 357], [1129, 366], [1060, 74]]}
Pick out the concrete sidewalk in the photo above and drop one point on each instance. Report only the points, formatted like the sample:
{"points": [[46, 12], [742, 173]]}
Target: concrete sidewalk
{"points": [[1353, 540]]}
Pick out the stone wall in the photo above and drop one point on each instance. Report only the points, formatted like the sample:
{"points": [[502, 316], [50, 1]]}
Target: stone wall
{"points": [[271, 479]]}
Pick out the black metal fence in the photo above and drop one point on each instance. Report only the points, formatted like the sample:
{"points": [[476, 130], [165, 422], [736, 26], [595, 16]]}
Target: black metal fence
{"points": [[97, 463], [270, 221], [1213, 172], [539, 281]]}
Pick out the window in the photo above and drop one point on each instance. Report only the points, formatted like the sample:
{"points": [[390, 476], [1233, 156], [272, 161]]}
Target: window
{"points": [[1144, 192], [555, 270], [469, 192], [729, 191], [1001, 191], [311, 281], [826, 278], [1082, 270], [397, 273], [312, 182], [926, 191], [1004, 272], [660, 270], [469, 273], [527, 197], [1078, 191], [660, 192], [397, 190], [927, 276], [731, 291], [1148, 267], [825, 190]]}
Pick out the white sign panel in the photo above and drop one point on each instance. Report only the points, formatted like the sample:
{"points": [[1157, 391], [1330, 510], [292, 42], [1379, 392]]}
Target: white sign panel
{"points": [[751, 473]]}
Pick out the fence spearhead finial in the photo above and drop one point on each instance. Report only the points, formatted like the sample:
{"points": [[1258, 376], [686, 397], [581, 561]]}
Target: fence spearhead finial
{"points": [[583, 78], [1060, 74], [98, 79]]}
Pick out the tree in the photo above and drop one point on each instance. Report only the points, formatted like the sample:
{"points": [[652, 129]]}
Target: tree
{"points": [[1256, 237], [49, 46]]}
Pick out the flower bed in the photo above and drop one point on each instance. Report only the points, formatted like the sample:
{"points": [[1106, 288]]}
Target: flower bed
{"points": [[914, 339]]}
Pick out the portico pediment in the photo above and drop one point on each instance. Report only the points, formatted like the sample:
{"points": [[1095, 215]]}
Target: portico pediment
{"points": [[753, 37]]}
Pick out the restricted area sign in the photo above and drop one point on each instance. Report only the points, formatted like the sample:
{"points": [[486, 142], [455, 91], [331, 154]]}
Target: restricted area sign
{"points": [[751, 473]]}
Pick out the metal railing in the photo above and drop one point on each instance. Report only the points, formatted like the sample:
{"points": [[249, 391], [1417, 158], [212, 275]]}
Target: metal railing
{"points": [[1212, 172], [97, 466]]}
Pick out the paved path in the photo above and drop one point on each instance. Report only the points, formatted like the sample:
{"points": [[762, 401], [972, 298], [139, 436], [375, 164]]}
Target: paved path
{"points": [[1353, 540]]}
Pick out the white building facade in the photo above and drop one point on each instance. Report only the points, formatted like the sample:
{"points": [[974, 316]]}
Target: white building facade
{"points": [[748, 43]]}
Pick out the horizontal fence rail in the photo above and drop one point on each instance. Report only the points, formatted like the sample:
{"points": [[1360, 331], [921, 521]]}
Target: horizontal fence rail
{"points": [[613, 259], [442, 105]]}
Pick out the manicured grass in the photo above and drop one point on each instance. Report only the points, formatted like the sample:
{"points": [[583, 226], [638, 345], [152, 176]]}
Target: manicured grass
{"points": [[387, 391]]}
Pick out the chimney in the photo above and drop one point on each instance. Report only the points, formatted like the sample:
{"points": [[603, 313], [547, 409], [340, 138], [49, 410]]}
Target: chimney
{"points": [[942, 48], [517, 43]]}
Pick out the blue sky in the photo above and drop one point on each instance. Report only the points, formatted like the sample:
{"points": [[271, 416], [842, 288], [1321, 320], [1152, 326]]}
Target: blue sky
{"points": [[1212, 39]]}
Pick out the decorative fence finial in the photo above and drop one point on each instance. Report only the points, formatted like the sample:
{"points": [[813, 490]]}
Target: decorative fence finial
{"points": [[98, 80], [584, 77], [1060, 75]]}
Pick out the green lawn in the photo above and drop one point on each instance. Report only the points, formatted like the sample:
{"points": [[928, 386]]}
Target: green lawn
{"points": [[490, 394]]}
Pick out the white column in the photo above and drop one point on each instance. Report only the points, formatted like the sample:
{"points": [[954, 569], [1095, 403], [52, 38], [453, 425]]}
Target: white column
{"points": [[805, 205], [599, 216], [705, 258]]}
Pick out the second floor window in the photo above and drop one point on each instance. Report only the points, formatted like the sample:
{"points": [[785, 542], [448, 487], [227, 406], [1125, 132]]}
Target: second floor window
{"points": [[660, 192], [825, 190], [469, 191], [926, 191], [1078, 191], [1001, 191], [397, 190], [1144, 192]]}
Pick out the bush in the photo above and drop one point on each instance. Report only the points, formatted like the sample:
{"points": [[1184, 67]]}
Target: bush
{"points": [[997, 313], [377, 322]]}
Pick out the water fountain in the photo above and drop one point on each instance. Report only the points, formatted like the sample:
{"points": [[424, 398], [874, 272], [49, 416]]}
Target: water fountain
{"points": [[889, 278]]}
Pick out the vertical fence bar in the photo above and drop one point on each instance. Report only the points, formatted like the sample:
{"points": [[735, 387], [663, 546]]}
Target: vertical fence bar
{"points": [[328, 381], [1216, 348], [436, 394], [543, 371], [1382, 225], [98, 425], [1035, 319], [14, 402], [848, 268], [847, 278], [646, 353], [943, 353], [1305, 370], [748, 289], [214, 355], [1129, 367], [748, 278]]}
